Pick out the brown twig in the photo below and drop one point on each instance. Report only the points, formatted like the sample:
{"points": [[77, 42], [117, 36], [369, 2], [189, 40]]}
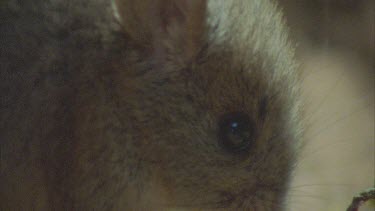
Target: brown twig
{"points": [[361, 198]]}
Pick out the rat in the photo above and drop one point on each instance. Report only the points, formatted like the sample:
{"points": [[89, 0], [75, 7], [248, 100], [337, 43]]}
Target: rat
{"points": [[146, 105]]}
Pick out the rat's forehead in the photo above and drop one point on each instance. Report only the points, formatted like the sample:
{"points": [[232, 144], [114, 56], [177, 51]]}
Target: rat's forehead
{"points": [[242, 27], [228, 84]]}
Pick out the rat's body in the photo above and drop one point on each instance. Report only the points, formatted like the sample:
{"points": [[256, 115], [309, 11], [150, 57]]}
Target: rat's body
{"points": [[126, 113]]}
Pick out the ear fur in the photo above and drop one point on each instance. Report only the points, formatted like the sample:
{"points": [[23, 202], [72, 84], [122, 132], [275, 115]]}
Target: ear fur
{"points": [[166, 27]]}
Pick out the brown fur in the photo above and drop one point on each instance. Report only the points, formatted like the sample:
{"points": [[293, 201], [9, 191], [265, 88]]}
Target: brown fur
{"points": [[121, 112]]}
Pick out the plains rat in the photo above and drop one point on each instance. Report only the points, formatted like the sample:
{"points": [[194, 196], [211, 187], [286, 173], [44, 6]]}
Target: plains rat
{"points": [[146, 105]]}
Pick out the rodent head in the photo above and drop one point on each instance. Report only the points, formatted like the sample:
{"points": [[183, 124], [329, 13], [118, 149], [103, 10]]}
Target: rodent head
{"points": [[208, 100]]}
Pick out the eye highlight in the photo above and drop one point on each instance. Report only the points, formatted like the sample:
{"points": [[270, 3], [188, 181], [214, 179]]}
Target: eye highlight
{"points": [[236, 132]]}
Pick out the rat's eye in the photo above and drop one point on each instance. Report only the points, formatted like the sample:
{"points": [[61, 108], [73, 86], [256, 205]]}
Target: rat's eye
{"points": [[236, 132]]}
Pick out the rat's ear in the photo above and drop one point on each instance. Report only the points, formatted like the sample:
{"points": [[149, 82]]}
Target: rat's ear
{"points": [[167, 27]]}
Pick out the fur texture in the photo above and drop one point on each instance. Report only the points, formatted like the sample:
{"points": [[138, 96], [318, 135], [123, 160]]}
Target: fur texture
{"points": [[115, 105]]}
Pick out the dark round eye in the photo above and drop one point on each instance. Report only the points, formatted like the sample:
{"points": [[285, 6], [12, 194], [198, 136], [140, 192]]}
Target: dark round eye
{"points": [[236, 132]]}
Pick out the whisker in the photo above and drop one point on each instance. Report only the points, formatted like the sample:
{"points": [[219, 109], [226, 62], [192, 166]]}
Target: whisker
{"points": [[331, 145], [332, 89], [310, 196], [328, 185], [328, 126], [310, 117]]}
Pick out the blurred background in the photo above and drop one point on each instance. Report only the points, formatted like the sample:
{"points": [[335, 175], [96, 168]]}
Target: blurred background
{"points": [[335, 46]]}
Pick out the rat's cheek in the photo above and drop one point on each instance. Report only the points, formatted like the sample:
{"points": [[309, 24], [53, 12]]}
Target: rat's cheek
{"points": [[148, 194]]}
